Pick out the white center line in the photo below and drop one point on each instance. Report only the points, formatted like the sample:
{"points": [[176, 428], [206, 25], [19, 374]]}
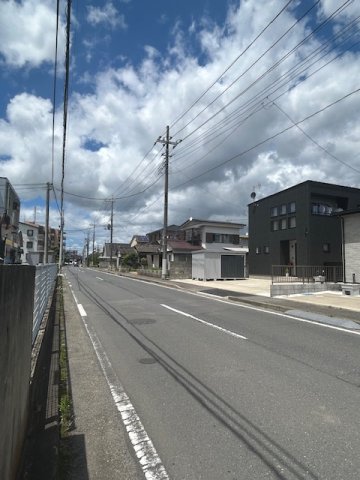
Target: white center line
{"points": [[224, 330]]}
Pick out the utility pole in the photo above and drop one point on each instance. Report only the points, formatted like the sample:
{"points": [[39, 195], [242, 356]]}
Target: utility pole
{"points": [[87, 248], [166, 142], [93, 244], [111, 231], [46, 246]]}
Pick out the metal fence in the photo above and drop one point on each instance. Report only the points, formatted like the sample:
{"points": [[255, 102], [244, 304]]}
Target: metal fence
{"points": [[306, 274], [45, 278]]}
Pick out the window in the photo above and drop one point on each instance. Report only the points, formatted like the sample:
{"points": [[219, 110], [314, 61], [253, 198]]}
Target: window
{"points": [[274, 212], [235, 239], [266, 249], [209, 237], [283, 210], [29, 244], [30, 233], [257, 250], [283, 224], [321, 209], [326, 247], [292, 222], [274, 225], [292, 207]]}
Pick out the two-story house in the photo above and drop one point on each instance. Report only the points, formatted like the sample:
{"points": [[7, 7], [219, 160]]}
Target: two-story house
{"points": [[298, 226], [222, 250]]}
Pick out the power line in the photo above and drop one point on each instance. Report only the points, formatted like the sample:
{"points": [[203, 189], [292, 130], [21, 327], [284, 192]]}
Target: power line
{"points": [[269, 70], [268, 139], [312, 140], [232, 63], [66, 99], [54, 93]]}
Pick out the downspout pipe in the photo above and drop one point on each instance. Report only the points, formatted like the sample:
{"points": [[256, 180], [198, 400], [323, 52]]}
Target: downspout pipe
{"points": [[343, 247]]}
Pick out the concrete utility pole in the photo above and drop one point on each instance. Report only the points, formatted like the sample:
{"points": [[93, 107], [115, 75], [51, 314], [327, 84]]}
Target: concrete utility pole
{"points": [[166, 142], [93, 244], [46, 246], [111, 231], [87, 248]]}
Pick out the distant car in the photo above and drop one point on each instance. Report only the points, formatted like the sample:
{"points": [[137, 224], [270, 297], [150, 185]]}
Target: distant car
{"points": [[75, 264]]}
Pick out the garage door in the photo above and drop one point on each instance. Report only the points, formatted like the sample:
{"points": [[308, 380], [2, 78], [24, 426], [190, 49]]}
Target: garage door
{"points": [[232, 266]]}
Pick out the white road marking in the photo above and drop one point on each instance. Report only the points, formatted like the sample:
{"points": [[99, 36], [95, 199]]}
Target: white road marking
{"points": [[243, 305], [285, 315], [99, 278], [145, 451], [81, 310], [224, 330]]}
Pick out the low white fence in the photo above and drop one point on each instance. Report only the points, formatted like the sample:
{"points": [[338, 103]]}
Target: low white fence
{"points": [[44, 288]]}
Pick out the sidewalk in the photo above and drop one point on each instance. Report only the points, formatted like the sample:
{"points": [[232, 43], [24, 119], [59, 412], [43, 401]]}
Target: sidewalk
{"points": [[256, 292], [261, 287]]}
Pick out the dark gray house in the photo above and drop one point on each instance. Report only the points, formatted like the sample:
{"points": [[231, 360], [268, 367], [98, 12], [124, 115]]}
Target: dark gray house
{"points": [[297, 226]]}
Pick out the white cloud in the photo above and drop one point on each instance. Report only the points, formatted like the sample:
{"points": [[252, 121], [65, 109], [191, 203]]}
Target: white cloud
{"points": [[111, 129], [107, 15], [27, 32]]}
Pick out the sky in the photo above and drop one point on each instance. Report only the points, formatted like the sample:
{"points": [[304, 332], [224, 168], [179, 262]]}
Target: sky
{"points": [[258, 96]]}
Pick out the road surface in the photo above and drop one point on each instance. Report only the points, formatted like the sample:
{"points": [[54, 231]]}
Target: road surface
{"points": [[211, 390]]}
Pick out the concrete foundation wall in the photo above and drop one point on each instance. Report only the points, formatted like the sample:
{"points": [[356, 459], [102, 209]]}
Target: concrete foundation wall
{"points": [[302, 288], [16, 316]]}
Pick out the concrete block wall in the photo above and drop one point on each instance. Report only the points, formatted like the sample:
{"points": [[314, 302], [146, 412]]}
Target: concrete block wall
{"points": [[180, 269], [301, 288], [16, 317]]}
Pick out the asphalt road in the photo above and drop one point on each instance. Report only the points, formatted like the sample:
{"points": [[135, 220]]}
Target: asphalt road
{"points": [[209, 389]]}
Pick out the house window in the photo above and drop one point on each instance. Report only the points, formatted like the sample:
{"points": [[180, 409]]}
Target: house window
{"points": [[235, 239], [266, 249], [30, 233], [283, 224], [274, 212], [209, 237], [292, 207], [321, 209], [283, 210], [29, 244], [326, 247], [292, 222], [257, 250], [274, 225]]}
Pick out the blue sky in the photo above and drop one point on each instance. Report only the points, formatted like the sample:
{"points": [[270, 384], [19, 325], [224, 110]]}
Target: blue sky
{"points": [[244, 73]]}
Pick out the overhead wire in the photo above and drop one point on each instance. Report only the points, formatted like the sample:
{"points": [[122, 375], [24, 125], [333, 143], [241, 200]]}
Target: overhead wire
{"points": [[269, 70], [249, 67], [272, 137], [231, 64], [236, 117], [313, 140], [54, 92], [224, 72]]}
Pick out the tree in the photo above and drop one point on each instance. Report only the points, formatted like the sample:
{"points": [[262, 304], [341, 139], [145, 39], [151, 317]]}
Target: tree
{"points": [[130, 260]]}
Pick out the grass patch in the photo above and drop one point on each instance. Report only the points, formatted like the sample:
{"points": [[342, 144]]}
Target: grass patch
{"points": [[65, 401]]}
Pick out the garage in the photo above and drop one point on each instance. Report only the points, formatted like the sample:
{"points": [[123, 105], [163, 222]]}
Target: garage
{"points": [[224, 264]]}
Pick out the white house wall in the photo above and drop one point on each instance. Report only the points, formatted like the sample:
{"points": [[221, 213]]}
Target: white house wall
{"points": [[352, 247], [198, 260]]}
